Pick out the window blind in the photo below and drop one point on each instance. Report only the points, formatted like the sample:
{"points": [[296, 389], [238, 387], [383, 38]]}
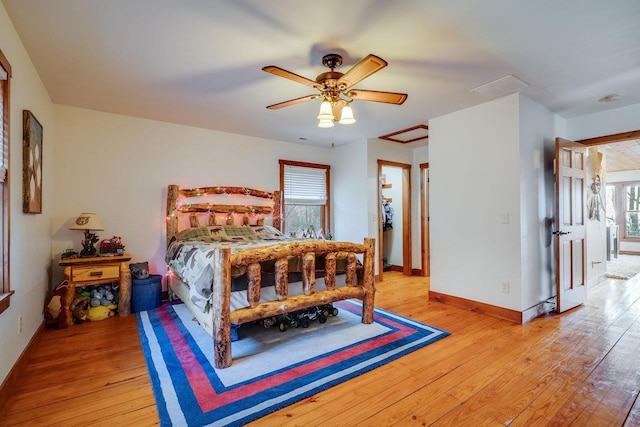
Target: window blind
{"points": [[305, 186]]}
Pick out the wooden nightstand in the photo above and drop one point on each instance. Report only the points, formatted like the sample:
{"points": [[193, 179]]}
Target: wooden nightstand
{"points": [[96, 271]]}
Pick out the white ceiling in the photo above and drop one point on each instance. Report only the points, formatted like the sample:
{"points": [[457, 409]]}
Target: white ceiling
{"points": [[198, 62]]}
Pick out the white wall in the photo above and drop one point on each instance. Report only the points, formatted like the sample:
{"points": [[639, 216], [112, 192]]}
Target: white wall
{"points": [[538, 129], [348, 178], [29, 233], [622, 176], [608, 122], [119, 167], [474, 161]]}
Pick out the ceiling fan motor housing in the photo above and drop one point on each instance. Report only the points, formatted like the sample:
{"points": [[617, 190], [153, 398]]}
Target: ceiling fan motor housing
{"points": [[332, 60]]}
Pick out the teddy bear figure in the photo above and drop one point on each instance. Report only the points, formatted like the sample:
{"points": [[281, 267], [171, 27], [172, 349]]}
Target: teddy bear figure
{"points": [[80, 308]]}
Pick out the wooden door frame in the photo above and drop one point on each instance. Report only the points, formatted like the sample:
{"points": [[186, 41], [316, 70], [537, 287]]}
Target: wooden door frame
{"points": [[424, 222], [608, 139], [406, 216]]}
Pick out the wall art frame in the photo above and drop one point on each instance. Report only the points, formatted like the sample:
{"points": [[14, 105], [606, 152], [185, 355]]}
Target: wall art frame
{"points": [[32, 163]]}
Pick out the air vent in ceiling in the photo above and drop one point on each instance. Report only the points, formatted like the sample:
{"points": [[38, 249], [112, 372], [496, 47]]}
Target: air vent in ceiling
{"points": [[502, 86]]}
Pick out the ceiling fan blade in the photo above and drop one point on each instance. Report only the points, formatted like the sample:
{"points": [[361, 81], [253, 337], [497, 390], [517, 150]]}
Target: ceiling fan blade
{"points": [[374, 95], [293, 101], [289, 75], [361, 70]]}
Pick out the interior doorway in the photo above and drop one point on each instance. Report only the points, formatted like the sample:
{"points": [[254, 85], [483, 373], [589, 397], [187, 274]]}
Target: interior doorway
{"points": [[424, 219], [616, 236], [394, 194]]}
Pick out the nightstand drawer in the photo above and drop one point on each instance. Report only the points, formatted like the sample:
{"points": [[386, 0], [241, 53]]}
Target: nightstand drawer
{"points": [[81, 274]]}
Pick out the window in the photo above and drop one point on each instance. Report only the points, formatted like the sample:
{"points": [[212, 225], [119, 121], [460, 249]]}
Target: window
{"points": [[305, 198], [623, 208], [5, 77]]}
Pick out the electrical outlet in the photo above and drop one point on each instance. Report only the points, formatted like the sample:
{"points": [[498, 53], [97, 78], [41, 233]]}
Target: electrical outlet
{"points": [[20, 324], [504, 219], [506, 288]]}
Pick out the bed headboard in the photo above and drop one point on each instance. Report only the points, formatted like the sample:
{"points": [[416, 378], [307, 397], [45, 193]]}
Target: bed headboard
{"points": [[251, 205]]}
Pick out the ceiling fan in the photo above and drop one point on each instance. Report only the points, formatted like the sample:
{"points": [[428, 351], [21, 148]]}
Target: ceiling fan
{"points": [[335, 90]]}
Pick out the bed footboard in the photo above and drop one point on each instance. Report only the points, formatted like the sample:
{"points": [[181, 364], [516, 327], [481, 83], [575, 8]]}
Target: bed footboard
{"points": [[224, 260]]}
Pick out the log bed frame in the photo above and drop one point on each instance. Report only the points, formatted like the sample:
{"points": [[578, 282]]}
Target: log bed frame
{"points": [[218, 321]]}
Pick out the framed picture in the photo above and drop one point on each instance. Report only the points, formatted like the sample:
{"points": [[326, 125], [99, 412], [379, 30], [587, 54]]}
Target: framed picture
{"points": [[32, 163]]}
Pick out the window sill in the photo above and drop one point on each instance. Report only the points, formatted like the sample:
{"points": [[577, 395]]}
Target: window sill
{"points": [[630, 239], [5, 300]]}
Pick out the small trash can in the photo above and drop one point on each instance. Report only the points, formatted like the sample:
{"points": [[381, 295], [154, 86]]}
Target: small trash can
{"points": [[146, 293]]}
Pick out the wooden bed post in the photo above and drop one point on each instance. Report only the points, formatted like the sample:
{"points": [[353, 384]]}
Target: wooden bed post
{"points": [[221, 306], [369, 284], [282, 278], [277, 210], [172, 216]]}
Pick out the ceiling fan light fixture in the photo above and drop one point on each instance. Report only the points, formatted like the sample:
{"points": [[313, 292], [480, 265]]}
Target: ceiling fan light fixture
{"points": [[347, 115], [326, 112], [325, 123], [335, 89]]}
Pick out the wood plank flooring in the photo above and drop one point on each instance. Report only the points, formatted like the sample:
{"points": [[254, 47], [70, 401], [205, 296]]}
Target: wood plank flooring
{"points": [[580, 368]]}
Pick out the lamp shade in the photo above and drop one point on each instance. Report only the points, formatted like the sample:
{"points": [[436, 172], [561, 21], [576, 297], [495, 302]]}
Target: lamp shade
{"points": [[87, 221], [347, 116], [325, 123], [326, 112]]}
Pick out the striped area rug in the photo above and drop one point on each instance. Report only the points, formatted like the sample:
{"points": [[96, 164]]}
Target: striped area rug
{"points": [[271, 369]]}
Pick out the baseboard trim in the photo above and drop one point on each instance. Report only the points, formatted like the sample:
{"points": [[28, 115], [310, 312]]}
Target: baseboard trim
{"points": [[14, 374], [540, 309], [417, 272], [597, 280], [477, 307], [629, 253]]}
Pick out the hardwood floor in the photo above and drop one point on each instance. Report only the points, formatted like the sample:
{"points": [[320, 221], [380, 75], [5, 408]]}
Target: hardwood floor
{"points": [[579, 368]]}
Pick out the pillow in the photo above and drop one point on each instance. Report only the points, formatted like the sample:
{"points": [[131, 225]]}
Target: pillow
{"points": [[266, 232], [239, 232], [191, 233], [216, 231]]}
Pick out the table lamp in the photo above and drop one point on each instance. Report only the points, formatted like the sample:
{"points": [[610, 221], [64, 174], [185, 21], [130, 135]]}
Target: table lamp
{"points": [[88, 222]]}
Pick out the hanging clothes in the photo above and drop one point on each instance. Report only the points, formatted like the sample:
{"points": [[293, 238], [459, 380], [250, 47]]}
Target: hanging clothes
{"points": [[387, 215]]}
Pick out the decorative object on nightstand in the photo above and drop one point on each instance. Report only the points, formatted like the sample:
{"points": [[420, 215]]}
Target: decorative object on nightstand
{"points": [[112, 246], [88, 221]]}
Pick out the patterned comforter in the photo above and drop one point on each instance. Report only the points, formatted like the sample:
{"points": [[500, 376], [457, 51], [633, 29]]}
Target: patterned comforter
{"points": [[190, 256]]}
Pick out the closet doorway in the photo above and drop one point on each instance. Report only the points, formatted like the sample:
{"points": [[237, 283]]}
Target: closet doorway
{"points": [[394, 236], [424, 219]]}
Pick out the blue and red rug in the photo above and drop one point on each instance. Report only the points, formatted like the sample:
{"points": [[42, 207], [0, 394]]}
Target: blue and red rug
{"points": [[271, 369]]}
